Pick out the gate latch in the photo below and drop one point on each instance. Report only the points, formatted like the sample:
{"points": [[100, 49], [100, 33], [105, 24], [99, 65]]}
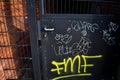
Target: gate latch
{"points": [[49, 29]]}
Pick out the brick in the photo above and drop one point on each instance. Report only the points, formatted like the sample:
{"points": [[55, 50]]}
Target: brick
{"points": [[9, 40], [2, 76]]}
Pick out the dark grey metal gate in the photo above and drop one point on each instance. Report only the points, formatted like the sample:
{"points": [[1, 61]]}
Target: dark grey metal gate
{"points": [[79, 40], [78, 47]]}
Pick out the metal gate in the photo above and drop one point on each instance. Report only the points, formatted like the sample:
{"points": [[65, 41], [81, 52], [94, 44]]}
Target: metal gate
{"points": [[79, 39]]}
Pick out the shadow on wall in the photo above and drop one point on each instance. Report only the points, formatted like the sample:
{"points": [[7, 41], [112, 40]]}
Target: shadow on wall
{"points": [[14, 38]]}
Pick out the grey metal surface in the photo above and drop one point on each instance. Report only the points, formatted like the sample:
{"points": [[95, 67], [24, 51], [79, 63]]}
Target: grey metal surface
{"points": [[34, 39], [60, 44]]}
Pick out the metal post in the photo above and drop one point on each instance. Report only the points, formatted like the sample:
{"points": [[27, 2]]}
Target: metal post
{"points": [[34, 39], [42, 7]]}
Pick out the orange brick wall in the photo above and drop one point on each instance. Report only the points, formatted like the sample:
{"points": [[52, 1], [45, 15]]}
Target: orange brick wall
{"points": [[2, 77], [16, 9], [5, 50]]}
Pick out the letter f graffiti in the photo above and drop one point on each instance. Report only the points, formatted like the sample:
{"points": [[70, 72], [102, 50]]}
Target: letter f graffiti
{"points": [[58, 68]]}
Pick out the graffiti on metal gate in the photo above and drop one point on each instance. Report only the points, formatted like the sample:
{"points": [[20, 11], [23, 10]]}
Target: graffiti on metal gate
{"points": [[63, 38], [77, 48], [83, 26], [62, 48], [68, 65], [107, 33]]}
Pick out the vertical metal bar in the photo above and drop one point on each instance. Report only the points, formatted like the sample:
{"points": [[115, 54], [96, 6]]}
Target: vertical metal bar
{"points": [[39, 29], [73, 2], [42, 7], [53, 6], [49, 6], [76, 6], [61, 6], [88, 6], [65, 7], [34, 39], [84, 7], [57, 6], [41, 13], [93, 8], [69, 7], [80, 7]]}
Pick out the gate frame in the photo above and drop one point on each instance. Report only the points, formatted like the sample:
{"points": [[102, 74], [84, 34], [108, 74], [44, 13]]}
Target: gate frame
{"points": [[33, 27], [35, 36]]}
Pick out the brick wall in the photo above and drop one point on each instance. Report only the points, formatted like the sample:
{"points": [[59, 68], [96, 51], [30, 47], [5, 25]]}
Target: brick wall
{"points": [[12, 19]]}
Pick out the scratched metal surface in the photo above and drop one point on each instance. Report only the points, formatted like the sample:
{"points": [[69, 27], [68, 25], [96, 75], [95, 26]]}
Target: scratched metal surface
{"points": [[79, 35], [80, 29]]}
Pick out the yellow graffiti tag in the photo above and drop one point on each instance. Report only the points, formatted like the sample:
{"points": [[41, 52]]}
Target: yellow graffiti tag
{"points": [[85, 61], [64, 65], [57, 64], [68, 76], [69, 60]]}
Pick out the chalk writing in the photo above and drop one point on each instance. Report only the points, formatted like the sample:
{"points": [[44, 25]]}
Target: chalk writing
{"points": [[84, 26], [68, 64], [62, 49], [107, 38], [78, 47], [84, 32], [107, 34], [89, 26], [75, 25], [57, 37], [113, 27], [64, 38], [82, 46], [68, 29]]}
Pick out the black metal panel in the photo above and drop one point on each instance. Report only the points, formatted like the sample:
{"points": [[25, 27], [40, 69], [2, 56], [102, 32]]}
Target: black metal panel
{"points": [[75, 29], [74, 37]]}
